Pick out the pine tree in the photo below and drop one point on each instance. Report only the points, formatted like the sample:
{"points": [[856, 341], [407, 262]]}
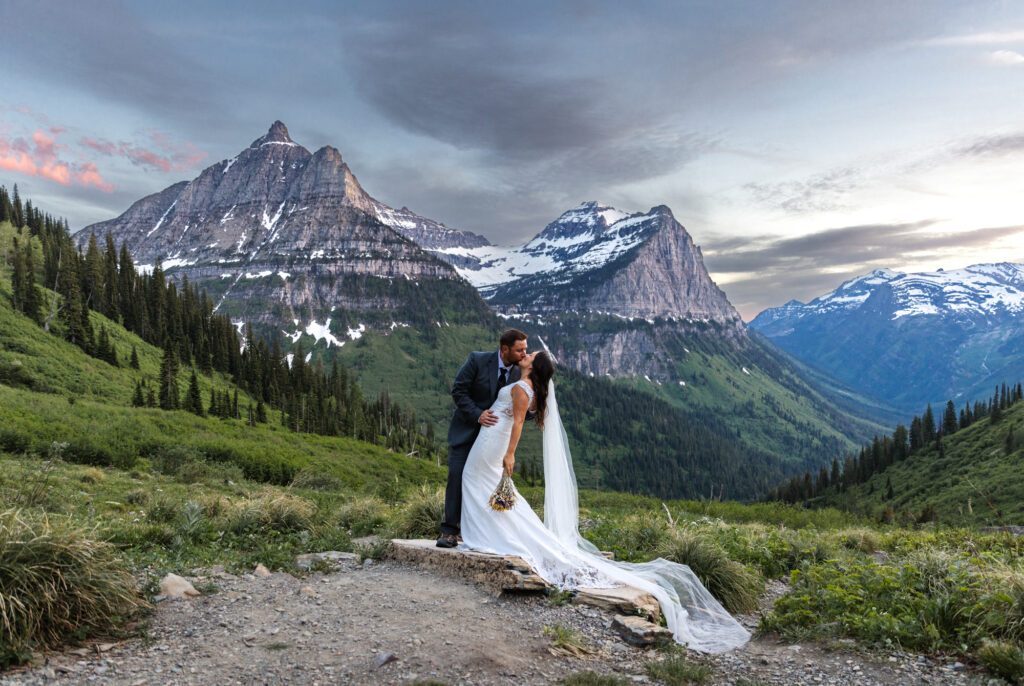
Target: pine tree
{"points": [[949, 421], [32, 305], [111, 297], [194, 401], [134, 363], [928, 425], [18, 278], [103, 345], [170, 398], [261, 412], [150, 398], [137, 399]]}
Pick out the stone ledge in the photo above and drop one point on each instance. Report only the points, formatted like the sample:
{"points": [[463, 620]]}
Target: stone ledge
{"points": [[506, 573]]}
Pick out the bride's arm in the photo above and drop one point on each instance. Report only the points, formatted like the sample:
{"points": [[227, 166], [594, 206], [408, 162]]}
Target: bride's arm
{"points": [[520, 403]]}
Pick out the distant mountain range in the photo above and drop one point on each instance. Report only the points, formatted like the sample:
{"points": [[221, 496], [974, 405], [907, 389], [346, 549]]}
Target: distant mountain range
{"points": [[290, 240], [912, 338]]}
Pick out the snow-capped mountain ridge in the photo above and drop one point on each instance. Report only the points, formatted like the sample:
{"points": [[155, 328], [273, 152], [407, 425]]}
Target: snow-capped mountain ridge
{"points": [[912, 338], [980, 289]]}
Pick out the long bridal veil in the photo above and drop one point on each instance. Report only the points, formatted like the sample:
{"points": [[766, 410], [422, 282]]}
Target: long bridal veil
{"points": [[693, 615]]}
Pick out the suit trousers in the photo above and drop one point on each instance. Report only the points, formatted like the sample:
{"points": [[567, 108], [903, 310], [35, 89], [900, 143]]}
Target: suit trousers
{"points": [[457, 455]]}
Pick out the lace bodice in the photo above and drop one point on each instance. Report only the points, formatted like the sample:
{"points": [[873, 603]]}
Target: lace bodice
{"points": [[503, 404]]}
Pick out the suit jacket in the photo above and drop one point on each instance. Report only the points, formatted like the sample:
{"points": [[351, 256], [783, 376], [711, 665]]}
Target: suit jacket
{"points": [[475, 389]]}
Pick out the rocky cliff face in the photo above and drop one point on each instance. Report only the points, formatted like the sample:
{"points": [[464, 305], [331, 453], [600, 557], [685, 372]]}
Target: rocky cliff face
{"points": [[612, 292], [281, 234]]}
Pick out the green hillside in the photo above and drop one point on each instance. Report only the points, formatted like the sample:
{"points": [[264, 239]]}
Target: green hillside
{"points": [[970, 477], [52, 391]]}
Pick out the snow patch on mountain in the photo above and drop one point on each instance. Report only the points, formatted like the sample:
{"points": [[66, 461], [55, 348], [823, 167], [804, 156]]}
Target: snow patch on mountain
{"points": [[584, 238]]}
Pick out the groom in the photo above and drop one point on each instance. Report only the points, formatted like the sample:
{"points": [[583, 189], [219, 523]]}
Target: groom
{"points": [[475, 389]]}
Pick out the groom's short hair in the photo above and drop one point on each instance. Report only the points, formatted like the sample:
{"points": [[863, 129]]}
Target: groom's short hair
{"points": [[509, 338]]}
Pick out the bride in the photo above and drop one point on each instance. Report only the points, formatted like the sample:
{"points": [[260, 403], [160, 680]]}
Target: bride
{"points": [[554, 547]]}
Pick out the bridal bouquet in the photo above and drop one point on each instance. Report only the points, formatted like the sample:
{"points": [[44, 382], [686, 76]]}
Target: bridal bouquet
{"points": [[504, 496]]}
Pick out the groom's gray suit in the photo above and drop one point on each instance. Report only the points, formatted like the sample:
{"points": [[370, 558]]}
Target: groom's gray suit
{"points": [[475, 389]]}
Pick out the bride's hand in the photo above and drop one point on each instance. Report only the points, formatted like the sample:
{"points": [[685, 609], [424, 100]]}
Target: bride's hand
{"points": [[509, 463]]}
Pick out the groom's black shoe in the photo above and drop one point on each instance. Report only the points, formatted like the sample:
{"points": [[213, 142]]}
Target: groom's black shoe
{"points": [[447, 541]]}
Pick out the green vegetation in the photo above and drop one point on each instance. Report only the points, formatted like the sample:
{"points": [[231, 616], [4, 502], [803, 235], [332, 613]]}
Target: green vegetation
{"points": [[676, 670], [57, 583], [959, 468], [568, 641]]}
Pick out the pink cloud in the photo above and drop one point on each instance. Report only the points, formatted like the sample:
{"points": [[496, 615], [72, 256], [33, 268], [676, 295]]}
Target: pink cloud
{"points": [[88, 176], [41, 158], [176, 157]]}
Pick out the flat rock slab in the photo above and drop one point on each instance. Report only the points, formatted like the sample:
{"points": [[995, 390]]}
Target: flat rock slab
{"points": [[509, 573], [496, 573]]}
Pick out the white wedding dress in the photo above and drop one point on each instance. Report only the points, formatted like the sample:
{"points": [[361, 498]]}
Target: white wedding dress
{"points": [[554, 547]]}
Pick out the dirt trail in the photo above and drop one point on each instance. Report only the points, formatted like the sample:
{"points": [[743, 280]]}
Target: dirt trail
{"points": [[334, 628]]}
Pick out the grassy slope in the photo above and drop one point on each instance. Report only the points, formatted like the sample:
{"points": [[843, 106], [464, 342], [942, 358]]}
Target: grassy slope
{"points": [[974, 468], [62, 394]]}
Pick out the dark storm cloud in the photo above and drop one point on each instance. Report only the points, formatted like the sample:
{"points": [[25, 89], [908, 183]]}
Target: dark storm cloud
{"points": [[103, 47], [808, 266]]}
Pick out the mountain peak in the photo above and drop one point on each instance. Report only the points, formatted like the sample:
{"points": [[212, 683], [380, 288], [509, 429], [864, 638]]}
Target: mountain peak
{"points": [[278, 133]]}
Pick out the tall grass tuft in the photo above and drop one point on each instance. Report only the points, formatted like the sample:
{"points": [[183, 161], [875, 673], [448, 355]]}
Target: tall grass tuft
{"points": [[362, 516], [730, 582], [284, 513], [421, 517], [57, 583], [1003, 659]]}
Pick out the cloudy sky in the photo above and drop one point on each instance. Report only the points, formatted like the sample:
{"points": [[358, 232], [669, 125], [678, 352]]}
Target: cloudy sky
{"points": [[800, 143]]}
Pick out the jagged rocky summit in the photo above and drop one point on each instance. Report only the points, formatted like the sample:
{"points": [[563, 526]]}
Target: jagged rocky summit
{"points": [[916, 338], [278, 234], [610, 292]]}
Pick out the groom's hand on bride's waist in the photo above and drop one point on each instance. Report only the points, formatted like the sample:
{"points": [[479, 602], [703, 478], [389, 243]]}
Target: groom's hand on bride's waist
{"points": [[487, 418]]}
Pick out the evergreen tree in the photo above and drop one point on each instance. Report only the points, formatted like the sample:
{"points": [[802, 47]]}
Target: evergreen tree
{"points": [[134, 363], [261, 412], [137, 399], [18, 278], [949, 421], [170, 398], [111, 298], [32, 304], [928, 425], [193, 400], [150, 398]]}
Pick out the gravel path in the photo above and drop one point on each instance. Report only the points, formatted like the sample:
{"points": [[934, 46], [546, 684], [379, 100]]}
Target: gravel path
{"points": [[337, 628]]}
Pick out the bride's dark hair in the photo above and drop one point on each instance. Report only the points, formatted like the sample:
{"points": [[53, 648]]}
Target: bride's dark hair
{"points": [[542, 371]]}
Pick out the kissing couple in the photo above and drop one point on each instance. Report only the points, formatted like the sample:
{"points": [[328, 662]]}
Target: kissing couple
{"points": [[495, 394]]}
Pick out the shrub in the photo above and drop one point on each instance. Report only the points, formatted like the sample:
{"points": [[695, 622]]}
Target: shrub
{"points": [[163, 508], [731, 583], [362, 516], [86, 451], [421, 517], [284, 513], [1003, 659], [57, 583], [171, 459], [14, 441], [92, 475], [317, 480]]}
